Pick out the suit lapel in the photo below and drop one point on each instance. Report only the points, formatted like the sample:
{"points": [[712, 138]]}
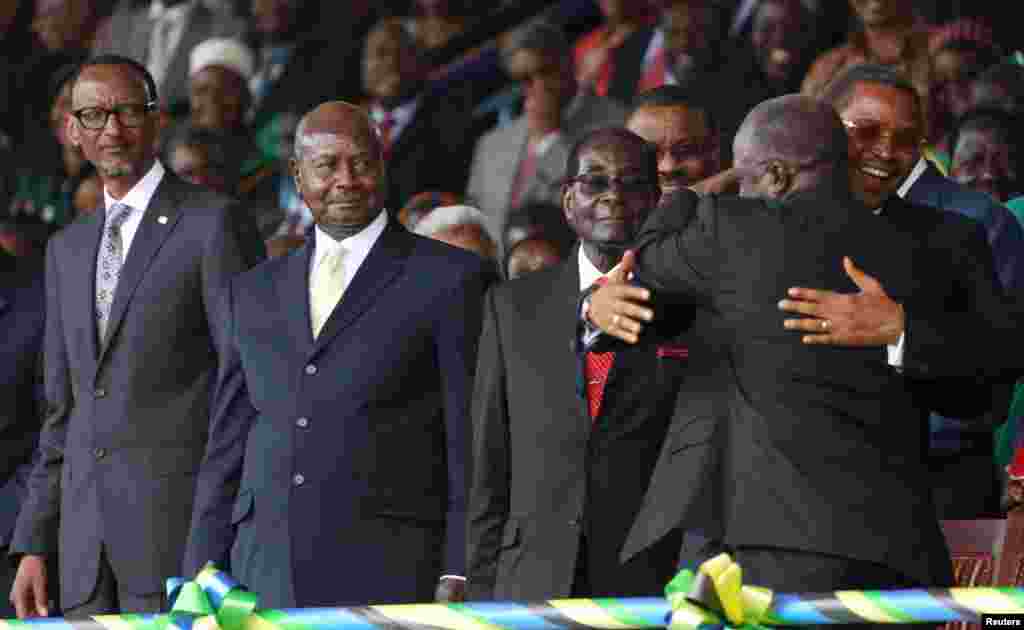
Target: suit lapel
{"points": [[386, 260], [506, 162], [563, 331], [82, 286], [144, 246], [293, 296]]}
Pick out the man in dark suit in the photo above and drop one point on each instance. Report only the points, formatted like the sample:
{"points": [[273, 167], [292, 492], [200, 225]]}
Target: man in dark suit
{"points": [[356, 457], [426, 134], [824, 478], [132, 342], [22, 305], [564, 446], [882, 115]]}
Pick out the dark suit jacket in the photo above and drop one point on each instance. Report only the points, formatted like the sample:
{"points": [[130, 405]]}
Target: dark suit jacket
{"points": [[432, 152], [1004, 233], [22, 312], [127, 421], [355, 453], [823, 450], [545, 476]]}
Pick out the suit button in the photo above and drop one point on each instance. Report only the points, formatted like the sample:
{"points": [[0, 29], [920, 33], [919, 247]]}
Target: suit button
{"points": [[99, 453], [311, 369], [298, 480], [100, 392], [302, 423], [576, 522]]}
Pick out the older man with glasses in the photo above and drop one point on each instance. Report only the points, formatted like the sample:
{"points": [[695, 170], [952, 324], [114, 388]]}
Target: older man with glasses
{"points": [[134, 336]]}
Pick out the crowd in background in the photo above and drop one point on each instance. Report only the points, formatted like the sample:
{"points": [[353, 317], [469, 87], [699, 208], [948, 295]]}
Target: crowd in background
{"points": [[476, 146]]}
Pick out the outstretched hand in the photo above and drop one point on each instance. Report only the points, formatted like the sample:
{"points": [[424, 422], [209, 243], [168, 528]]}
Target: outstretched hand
{"points": [[867, 318], [617, 307]]}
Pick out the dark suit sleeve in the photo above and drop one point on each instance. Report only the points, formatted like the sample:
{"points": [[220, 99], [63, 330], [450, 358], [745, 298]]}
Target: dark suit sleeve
{"points": [[36, 529], [676, 249], [457, 336], [234, 246], [981, 341], [489, 494]]}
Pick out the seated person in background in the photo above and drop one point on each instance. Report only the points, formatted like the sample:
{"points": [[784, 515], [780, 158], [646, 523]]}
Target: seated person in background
{"points": [[538, 220], [218, 82], [426, 136], [960, 51], [686, 47], [437, 21], [460, 226], [679, 122], [423, 204], [1001, 86], [532, 254], [611, 59], [66, 25], [987, 145], [887, 32], [771, 62], [524, 161]]}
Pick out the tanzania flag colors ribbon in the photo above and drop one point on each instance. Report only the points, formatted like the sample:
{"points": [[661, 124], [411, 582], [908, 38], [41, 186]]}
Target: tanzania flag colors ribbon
{"points": [[714, 598]]}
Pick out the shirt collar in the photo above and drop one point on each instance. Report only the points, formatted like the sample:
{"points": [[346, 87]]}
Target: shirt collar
{"points": [[142, 192], [911, 179], [159, 11], [588, 272], [356, 247], [401, 114]]}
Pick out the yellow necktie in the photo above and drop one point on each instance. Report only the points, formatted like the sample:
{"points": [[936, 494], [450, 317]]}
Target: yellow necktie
{"points": [[326, 287]]}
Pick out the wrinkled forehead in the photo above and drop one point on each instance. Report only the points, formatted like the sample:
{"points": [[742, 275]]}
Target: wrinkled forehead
{"points": [[99, 85], [320, 142], [612, 156]]}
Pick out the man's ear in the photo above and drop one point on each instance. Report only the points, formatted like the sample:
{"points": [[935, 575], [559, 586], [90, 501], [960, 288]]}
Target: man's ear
{"points": [[568, 201], [778, 178], [72, 130]]}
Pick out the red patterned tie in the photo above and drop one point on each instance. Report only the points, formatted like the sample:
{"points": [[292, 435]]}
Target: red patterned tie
{"points": [[597, 367]]}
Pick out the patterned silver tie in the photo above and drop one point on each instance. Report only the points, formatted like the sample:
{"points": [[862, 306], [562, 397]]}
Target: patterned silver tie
{"points": [[108, 265]]}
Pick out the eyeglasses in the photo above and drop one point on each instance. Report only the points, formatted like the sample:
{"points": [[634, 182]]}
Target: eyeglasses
{"points": [[869, 132], [593, 185], [128, 115]]}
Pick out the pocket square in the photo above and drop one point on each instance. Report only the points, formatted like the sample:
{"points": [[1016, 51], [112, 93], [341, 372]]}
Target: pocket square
{"points": [[673, 352]]}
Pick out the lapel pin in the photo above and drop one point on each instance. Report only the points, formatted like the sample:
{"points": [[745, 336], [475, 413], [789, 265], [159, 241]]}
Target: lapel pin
{"points": [[162, 220]]}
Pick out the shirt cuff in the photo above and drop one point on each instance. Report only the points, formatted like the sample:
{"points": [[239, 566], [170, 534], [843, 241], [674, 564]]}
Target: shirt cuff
{"points": [[460, 578], [896, 352]]}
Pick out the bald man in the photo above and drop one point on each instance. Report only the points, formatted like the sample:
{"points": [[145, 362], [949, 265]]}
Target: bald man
{"points": [[356, 351], [825, 483]]}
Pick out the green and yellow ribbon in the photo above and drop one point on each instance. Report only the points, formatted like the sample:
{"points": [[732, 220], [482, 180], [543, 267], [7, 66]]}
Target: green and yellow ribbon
{"points": [[716, 596], [213, 601]]}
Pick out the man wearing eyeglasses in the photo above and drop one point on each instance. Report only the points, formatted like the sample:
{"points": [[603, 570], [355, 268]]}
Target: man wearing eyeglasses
{"points": [[565, 442], [823, 478], [134, 331], [882, 116]]}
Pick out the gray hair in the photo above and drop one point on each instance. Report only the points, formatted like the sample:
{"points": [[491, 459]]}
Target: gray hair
{"points": [[539, 36]]}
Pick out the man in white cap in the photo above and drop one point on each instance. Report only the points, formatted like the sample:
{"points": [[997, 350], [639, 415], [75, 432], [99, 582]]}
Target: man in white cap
{"points": [[219, 73]]}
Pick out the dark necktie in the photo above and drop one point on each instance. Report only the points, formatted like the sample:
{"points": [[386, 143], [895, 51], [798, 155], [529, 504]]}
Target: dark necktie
{"points": [[598, 364]]}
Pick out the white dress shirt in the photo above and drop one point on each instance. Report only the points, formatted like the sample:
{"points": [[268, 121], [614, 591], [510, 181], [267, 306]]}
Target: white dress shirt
{"points": [[589, 274], [138, 198], [168, 27], [401, 116], [357, 247]]}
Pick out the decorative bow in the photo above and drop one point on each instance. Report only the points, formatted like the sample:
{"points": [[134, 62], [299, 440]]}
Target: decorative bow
{"points": [[715, 596], [213, 601]]}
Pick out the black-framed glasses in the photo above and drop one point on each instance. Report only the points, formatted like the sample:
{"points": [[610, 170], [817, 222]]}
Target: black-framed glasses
{"points": [[128, 115], [594, 185]]}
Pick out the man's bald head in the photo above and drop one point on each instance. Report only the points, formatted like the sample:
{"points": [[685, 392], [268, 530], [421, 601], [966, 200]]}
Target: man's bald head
{"points": [[339, 168], [337, 117], [794, 128], [793, 132]]}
